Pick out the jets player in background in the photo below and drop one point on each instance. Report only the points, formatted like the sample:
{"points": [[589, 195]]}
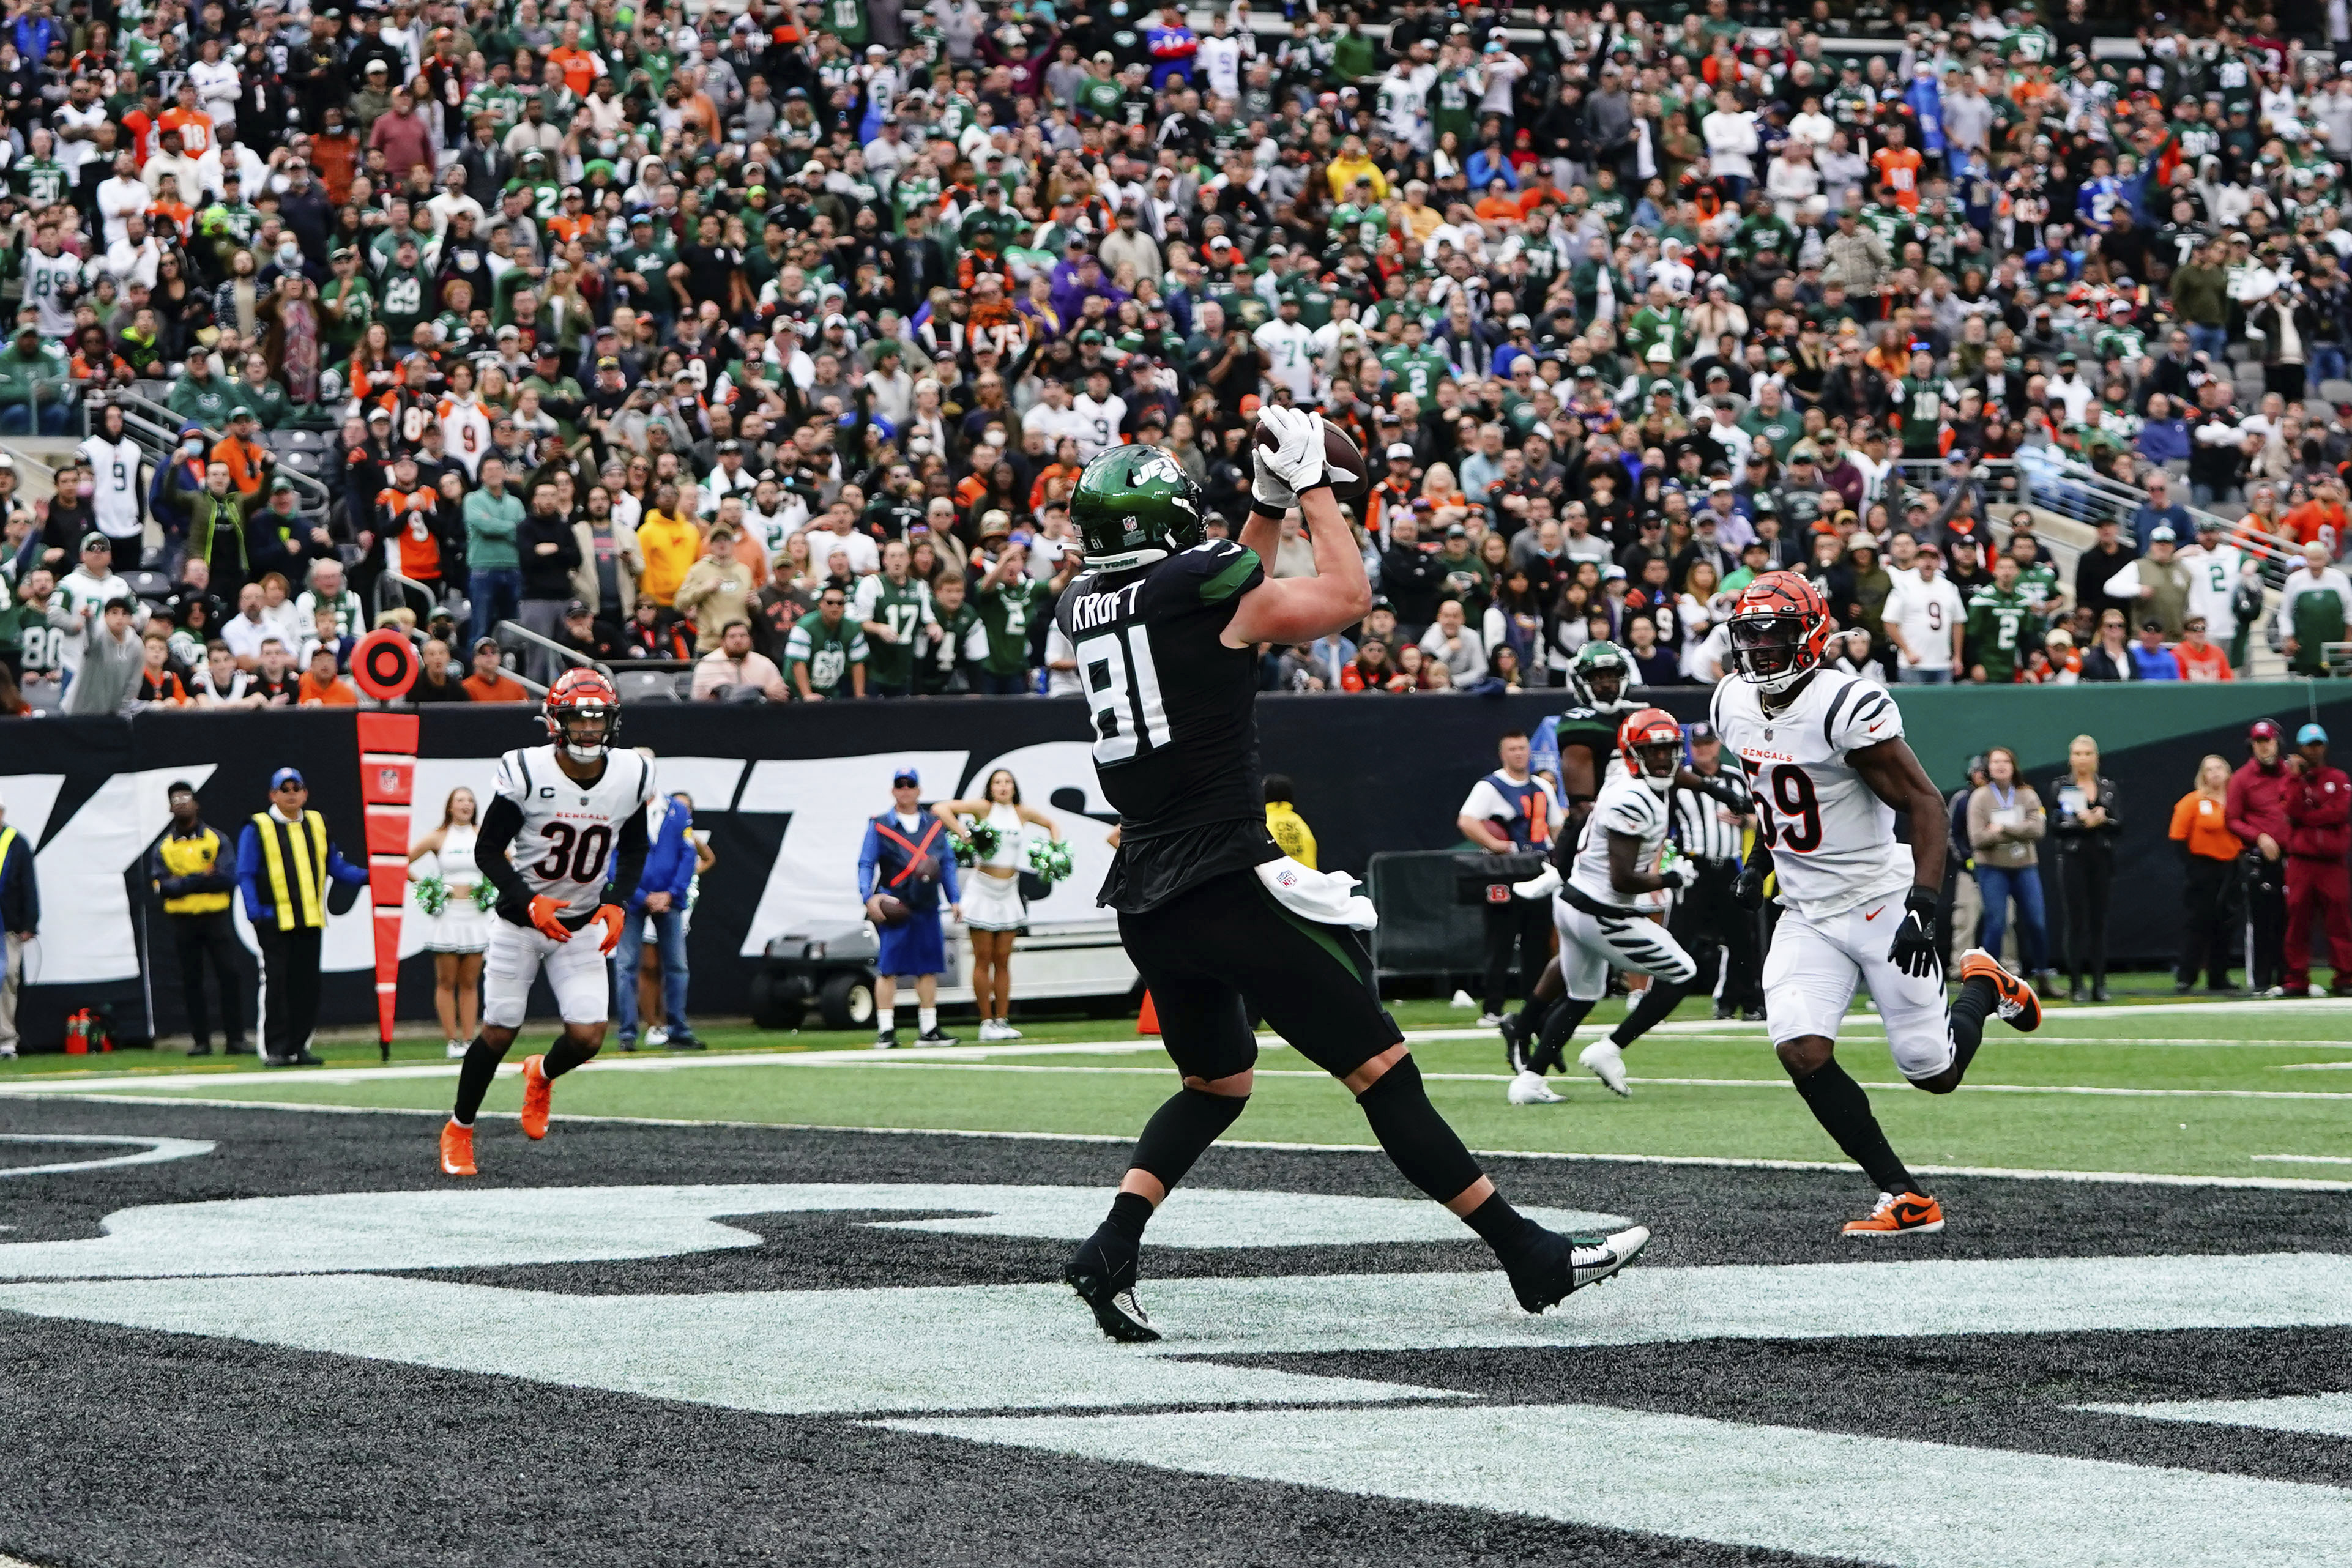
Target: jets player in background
{"points": [[563, 841], [1620, 876], [1216, 918], [1825, 757], [1574, 750]]}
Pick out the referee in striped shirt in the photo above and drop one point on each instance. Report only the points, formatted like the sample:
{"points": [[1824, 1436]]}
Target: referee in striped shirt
{"points": [[1706, 920]]}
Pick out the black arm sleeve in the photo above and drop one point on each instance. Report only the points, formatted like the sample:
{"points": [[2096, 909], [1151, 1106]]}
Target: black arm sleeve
{"points": [[500, 823], [629, 859]]}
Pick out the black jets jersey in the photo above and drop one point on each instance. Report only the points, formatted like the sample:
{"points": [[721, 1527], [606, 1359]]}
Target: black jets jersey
{"points": [[1174, 714]]}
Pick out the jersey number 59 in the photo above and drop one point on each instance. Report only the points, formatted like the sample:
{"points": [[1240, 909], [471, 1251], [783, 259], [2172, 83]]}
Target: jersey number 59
{"points": [[1789, 814]]}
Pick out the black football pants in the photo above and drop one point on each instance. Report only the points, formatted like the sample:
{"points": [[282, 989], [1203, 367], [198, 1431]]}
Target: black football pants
{"points": [[1221, 950], [199, 940]]}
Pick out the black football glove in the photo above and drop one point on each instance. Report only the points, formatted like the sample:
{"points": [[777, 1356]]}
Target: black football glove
{"points": [[1913, 951], [1747, 887]]}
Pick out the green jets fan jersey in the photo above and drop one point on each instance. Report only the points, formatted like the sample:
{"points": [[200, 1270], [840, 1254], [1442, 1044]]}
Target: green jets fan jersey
{"points": [[1996, 621], [1418, 370], [828, 651], [901, 607]]}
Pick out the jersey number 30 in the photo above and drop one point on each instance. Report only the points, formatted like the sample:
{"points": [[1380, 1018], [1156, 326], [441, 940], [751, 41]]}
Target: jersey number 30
{"points": [[573, 855], [1792, 814]]}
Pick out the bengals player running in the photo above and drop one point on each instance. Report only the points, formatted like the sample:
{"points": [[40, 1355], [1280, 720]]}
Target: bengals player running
{"points": [[1825, 755], [560, 815]]}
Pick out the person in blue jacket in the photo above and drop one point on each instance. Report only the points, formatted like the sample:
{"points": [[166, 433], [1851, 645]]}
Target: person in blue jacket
{"points": [[284, 862], [660, 899], [907, 857]]}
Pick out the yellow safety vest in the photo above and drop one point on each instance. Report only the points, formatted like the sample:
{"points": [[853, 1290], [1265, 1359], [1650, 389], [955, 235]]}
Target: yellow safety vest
{"points": [[7, 842], [306, 852], [197, 854]]}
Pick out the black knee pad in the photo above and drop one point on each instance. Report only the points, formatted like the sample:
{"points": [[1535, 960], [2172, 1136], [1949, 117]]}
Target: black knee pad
{"points": [[1189, 1121], [1424, 1149]]}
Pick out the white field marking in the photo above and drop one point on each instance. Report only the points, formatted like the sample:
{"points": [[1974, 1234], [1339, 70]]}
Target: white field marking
{"points": [[2326, 1415], [2002, 1173], [463, 1227], [939, 1066], [1785, 1489], [2344, 1066], [2304, 1159], [785, 1056], [147, 1152]]}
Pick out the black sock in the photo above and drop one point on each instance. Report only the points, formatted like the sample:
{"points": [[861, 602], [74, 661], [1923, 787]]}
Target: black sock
{"points": [[1559, 1028], [1425, 1150], [564, 1055], [1503, 1228], [1130, 1213], [1977, 998], [1529, 1024], [1189, 1121], [474, 1077], [1841, 1108], [1657, 1002]]}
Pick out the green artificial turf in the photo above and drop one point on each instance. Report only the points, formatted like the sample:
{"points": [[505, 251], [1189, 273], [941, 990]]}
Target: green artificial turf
{"points": [[2206, 1090]]}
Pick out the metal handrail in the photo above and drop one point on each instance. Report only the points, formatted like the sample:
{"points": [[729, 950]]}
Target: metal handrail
{"points": [[160, 423], [512, 629]]}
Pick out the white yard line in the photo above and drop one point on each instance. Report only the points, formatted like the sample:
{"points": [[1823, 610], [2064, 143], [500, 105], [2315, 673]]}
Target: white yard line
{"points": [[2304, 1159], [2005, 1172]]}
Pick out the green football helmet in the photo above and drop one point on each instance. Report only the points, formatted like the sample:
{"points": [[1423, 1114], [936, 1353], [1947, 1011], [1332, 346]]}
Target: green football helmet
{"points": [[1135, 505], [1603, 674]]}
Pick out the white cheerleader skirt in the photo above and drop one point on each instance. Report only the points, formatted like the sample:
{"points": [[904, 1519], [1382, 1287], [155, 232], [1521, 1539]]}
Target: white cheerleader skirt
{"points": [[460, 927], [993, 902]]}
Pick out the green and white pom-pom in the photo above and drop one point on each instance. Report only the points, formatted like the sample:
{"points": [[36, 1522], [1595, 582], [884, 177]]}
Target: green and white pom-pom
{"points": [[431, 896], [486, 897], [983, 841], [1049, 861]]}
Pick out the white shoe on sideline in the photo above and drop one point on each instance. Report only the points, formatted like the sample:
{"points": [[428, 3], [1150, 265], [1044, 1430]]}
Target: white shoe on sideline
{"points": [[656, 1037], [1462, 1000], [1004, 1030], [1530, 1089], [1605, 1062], [1488, 1020], [992, 1030], [455, 1049]]}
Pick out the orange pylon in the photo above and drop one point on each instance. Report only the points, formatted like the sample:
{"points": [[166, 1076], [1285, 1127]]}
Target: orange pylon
{"points": [[1147, 1021]]}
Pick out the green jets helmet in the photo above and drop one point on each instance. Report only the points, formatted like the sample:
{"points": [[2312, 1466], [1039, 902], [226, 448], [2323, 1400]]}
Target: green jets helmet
{"points": [[1597, 662], [1135, 505]]}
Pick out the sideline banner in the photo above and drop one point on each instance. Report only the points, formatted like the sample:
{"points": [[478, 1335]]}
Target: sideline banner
{"points": [[784, 794]]}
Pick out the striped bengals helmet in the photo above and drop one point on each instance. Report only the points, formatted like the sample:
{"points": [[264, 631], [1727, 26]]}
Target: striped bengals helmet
{"points": [[1651, 740], [583, 714], [1780, 629]]}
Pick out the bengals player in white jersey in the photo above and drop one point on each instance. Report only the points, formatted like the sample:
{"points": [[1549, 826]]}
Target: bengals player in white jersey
{"points": [[1825, 756], [1605, 904], [563, 841]]}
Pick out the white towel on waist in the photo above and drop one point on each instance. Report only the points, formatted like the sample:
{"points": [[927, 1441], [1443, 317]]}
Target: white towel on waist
{"points": [[1327, 898]]}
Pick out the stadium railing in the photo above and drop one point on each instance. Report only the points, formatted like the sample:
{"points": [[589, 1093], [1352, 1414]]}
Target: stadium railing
{"points": [[156, 429]]}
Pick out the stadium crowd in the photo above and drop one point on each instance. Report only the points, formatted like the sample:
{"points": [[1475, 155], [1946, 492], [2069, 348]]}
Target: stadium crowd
{"points": [[774, 341]]}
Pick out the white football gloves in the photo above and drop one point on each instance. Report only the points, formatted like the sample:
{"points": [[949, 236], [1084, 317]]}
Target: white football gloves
{"points": [[1297, 461], [1543, 885]]}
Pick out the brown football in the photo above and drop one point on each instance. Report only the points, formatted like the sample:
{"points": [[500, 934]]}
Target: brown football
{"points": [[1351, 476], [892, 911]]}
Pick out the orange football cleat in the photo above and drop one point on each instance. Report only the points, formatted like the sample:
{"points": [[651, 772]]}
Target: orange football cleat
{"points": [[2019, 1008], [537, 1095], [1900, 1214], [456, 1150]]}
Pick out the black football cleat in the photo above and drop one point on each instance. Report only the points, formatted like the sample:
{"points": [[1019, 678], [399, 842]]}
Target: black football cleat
{"points": [[1102, 1271], [1516, 1040], [1559, 1265], [933, 1036]]}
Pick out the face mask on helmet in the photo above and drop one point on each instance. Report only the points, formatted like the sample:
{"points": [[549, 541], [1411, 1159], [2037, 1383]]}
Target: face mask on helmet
{"points": [[1769, 650], [586, 731], [1652, 746], [1607, 686]]}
